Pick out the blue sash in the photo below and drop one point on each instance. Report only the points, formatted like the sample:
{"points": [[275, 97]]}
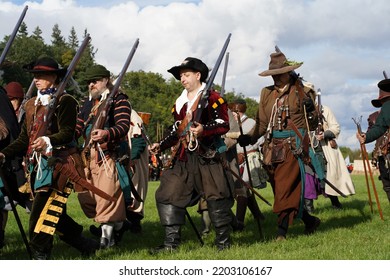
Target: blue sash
{"points": [[124, 181], [44, 177]]}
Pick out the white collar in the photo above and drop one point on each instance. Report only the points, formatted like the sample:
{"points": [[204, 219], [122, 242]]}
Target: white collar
{"points": [[183, 98]]}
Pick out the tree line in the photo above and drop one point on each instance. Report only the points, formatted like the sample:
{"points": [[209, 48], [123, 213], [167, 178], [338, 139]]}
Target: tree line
{"points": [[148, 92]]}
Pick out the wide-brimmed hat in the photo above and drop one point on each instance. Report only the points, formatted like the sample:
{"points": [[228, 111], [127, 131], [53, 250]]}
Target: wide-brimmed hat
{"points": [[193, 64], [384, 92], [14, 90], [45, 65], [96, 72], [279, 64], [384, 85], [238, 105]]}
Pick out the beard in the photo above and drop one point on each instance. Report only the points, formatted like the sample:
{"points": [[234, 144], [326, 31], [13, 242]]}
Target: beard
{"points": [[95, 93]]}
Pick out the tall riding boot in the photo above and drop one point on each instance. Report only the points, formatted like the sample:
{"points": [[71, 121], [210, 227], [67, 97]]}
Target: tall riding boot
{"points": [[254, 207], [242, 203], [309, 205], [221, 217], [171, 217], [84, 245], [282, 228], [72, 233], [311, 222], [335, 202]]}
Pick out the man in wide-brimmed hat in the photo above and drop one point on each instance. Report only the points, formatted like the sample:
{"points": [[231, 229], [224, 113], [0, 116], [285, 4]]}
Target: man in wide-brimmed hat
{"points": [[181, 183], [378, 129], [39, 144], [281, 118]]}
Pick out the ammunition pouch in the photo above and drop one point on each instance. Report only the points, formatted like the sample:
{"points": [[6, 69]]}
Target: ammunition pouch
{"points": [[274, 151]]}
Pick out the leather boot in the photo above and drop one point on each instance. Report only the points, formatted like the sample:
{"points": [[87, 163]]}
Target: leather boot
{"points": [[309, 205], [84, 245], [171, 242], [39, 255], [221, 217], [171, 217], [254, 207], [222, 237], [242, 203]]}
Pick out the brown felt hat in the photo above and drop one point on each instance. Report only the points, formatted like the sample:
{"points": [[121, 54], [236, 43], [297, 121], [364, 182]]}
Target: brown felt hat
{"points": [[14, 90], [192, 64], [280, 65], [384, 92], [45, 65], [382, 95]]}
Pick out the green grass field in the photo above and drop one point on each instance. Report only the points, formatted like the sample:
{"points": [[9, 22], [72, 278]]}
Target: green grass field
{"points": [[353, 233]]}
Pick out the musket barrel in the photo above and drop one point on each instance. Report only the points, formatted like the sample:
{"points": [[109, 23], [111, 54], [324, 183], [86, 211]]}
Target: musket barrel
{"points": [[73, 64], [125, 66], [224, 74], [13, 35]]}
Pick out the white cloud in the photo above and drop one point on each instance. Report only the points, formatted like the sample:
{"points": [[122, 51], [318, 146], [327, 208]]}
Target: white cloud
{"points": [[343, 43]]}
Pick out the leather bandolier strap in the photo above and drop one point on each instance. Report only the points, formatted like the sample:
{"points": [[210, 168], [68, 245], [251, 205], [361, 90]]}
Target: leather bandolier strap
{"points": [[52, 211], [79, 182]]}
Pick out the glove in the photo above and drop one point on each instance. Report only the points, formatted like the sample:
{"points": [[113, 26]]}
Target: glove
{"points": [[244, 140], [309, 104]]}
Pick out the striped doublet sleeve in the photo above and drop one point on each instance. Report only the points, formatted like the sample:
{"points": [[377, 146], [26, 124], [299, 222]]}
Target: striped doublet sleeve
{"points": [[122, 112]]}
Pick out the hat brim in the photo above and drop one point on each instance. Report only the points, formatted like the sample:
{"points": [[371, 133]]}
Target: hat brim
{"points": [[384, 85], [279, 71], [376, 103], [60, 72], [175, 71]]}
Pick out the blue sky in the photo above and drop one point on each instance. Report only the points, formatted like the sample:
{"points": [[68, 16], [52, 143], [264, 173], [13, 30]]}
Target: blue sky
{"points": [[343, 44]]}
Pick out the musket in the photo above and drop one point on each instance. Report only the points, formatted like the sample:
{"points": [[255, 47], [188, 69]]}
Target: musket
{"points": [[27, 96], [224, 74], [206, 92], [254, 203], [50, 109], [13, 207], [13, 35], [198, 105], [366, 165], [102, 114], [227, 168], [385, 74]]}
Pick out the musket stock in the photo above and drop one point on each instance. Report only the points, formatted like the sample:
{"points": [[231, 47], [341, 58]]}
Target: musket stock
{"points": [[27, 96]]}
